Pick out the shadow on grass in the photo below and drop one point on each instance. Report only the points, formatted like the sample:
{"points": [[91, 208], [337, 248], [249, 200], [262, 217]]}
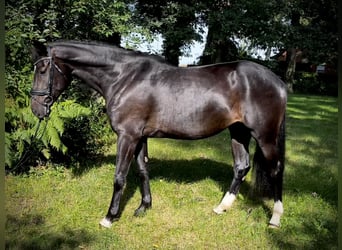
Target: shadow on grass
{"points": [[28, 233], [180, 171]]}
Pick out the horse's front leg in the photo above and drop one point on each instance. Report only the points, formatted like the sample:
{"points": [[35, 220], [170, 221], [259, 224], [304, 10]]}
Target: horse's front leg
{"points": [[141, 158], [126, 146]]}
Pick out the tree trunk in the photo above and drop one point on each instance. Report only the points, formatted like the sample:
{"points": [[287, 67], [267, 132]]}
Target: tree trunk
{"points": [[268, 54], [172, 50], [291, 69], [218, 48]]}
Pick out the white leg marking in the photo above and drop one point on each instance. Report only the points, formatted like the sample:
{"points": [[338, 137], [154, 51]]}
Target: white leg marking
{"points": [[278, 210], [145, 159], [226, 203], [105, 223]]}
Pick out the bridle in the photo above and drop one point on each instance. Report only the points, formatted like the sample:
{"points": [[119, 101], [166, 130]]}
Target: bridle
{"points": [[48, 90], [47, 104]]}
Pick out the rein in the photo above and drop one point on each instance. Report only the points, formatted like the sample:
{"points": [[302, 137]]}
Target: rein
{"points": [[29, 151]]}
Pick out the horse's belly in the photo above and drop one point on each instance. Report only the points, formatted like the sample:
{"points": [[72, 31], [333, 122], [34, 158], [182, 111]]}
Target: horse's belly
{"points": [[192, 114], [187, 125]]}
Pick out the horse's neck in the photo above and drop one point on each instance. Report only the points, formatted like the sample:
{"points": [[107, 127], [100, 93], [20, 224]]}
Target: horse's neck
{"points": [[90, 77], [108, 71], [100, 75]]}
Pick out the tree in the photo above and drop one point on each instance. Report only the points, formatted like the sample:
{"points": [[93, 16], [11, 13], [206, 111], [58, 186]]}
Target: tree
{"points": [[219, 44], [231, 22], [313, 27], [290, 25], [270, 25], [175, 20], [29, 20]]}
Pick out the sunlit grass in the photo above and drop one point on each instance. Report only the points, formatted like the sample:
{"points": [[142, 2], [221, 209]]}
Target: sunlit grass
{"points": [[59, 208]]}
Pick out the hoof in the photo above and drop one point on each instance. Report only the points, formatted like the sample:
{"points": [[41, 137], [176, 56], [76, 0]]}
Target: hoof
{"points": [[225, 204], [105, 223], [273, 226], [141, 211], [219, 210]]}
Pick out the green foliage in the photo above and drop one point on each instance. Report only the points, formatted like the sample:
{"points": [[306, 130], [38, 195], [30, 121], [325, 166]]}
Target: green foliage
{"points": [[313, 83], [28, 20], [175, 20], [21, 126], [62, 114], [86, 136], [306, 83]]}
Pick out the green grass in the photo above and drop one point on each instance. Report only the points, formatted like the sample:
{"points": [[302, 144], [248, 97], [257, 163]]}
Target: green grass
{"points": [[59, 208]]}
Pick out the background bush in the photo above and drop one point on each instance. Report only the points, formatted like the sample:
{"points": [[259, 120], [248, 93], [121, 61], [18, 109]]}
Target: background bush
{"points": [[313, 83]]}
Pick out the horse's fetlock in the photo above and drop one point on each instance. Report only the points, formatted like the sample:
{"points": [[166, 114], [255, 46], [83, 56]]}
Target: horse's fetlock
{"points": [[240, 172]]}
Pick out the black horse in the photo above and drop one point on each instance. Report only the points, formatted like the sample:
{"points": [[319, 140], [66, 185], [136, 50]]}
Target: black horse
{"points": [[146, 97]]}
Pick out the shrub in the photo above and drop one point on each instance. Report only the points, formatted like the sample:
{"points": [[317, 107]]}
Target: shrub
{"points": [[306, 83], [313, 83], [23, 132]]}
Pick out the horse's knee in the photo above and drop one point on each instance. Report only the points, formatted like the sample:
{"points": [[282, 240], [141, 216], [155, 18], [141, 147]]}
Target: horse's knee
{"points": [[119, 182]]}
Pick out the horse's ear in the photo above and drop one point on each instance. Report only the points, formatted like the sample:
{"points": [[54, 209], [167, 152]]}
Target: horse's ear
{"points": [[38, 50]]}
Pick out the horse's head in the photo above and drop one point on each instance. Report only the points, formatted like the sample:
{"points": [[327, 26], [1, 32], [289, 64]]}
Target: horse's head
{"points": [[51, 77]]}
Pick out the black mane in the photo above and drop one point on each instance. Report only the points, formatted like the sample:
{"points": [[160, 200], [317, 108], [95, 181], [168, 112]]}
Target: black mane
{"points": [[110, 47]]}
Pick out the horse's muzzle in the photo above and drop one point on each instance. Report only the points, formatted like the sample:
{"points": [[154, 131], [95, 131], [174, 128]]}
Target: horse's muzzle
{"points": [[40, 109]]}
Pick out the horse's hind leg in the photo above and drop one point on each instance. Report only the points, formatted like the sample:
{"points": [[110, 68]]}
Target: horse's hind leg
{"points": [[141, 158], [276, 179], [278, 209], [240, 140], [269, 177]]}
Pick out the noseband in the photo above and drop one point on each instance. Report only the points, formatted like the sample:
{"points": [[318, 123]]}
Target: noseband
{"points": [[47, 91]]}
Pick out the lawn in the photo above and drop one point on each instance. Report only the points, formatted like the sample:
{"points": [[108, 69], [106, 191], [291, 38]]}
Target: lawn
{"points": [[59, 208]]}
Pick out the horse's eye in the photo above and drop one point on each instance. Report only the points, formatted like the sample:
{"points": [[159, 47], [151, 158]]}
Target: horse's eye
{"points": [[43, 68], [42, 71]]}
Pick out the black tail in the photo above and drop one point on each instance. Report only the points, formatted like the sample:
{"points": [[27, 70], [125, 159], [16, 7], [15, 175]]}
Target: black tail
{"points": [[263, 182]]}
